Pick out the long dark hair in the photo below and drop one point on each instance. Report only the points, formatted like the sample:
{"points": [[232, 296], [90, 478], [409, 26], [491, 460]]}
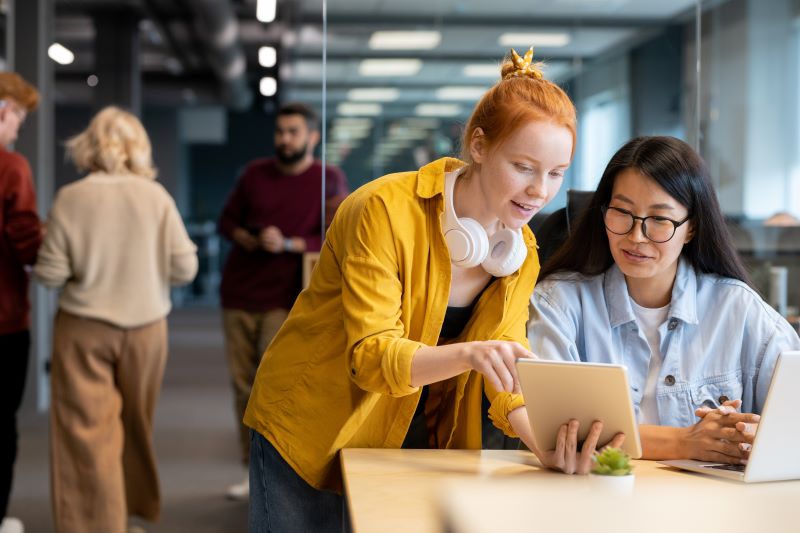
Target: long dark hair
{"points": [[680, 171]]}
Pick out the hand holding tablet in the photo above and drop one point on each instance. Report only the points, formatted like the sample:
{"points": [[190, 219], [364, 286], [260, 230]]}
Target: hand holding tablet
{"points": [[557, 392]]}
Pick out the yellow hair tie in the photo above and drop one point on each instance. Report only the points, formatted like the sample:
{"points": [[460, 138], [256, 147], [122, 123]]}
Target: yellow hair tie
{"points": [[524, 66]]}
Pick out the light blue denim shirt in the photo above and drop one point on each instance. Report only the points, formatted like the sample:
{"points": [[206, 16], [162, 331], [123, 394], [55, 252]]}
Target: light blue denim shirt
{"points": [[720, 340]]}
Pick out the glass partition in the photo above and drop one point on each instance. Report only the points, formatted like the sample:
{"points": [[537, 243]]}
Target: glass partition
{"points": [[750, 135], [401, 86], [402, 79]]}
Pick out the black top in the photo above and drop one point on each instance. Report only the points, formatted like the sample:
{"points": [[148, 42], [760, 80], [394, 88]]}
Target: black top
{"points": [[455, 320]]}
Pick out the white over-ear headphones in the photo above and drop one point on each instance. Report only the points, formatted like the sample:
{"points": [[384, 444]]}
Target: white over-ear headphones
{"points": [[469, 245]]}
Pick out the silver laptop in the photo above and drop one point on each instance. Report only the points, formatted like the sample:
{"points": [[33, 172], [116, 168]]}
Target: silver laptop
{"points": [[774, 455]]}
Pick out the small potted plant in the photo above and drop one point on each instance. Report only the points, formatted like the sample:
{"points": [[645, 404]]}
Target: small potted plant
{"points": [[612, 469]]}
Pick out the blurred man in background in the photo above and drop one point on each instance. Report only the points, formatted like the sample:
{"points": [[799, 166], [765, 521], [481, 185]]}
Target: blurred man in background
{"points": [[272, 217]]}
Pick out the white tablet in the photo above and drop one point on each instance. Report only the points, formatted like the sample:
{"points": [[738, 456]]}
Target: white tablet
{"points": [[557, 391]]}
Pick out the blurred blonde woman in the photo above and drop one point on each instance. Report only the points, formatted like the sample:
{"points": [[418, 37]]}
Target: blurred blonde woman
{"points": [[115, 243]]}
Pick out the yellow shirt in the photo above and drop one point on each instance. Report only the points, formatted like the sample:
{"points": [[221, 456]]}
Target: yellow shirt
{"points": [[337, 374]]}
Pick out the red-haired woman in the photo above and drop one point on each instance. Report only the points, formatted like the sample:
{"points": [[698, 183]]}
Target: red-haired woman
{"points": [[417, 306]]}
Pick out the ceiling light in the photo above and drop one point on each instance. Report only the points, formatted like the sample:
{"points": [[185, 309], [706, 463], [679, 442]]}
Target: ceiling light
{"points": [[373, 94], [437, 110], [414, 122], [353, 122], [267, 56], [357, 108], [413, 135], [173, 66], [460, 93], [545, 40], [350, 134], [265, 10], [405, 40], [60, 54], [389, 67], [268, 86], [482, 70]]}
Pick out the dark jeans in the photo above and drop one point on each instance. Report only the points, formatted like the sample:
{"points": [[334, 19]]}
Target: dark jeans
{"points": [[14, 349], [281, 501]]}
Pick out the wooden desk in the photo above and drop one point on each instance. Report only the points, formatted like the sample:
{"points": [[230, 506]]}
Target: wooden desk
{"points": [[504, 491]]}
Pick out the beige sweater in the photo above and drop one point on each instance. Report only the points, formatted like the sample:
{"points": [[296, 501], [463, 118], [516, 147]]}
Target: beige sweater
{"points": [[115, 244]]}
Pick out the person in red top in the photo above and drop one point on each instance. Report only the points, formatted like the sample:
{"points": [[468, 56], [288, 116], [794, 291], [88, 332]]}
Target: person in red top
{"points": [[272, 216], [20, 237]]}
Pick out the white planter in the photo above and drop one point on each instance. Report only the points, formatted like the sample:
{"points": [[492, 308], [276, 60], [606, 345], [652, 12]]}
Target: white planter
{"points": [[612, 485]]}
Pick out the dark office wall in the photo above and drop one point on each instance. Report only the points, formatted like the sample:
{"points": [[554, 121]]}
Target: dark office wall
{"points": [[162, 127], [69, 121], [169, 154], [213, 168], [657, 90]]}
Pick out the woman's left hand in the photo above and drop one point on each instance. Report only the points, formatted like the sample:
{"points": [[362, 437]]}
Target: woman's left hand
{"points": [[565, 455], [746, 430]]}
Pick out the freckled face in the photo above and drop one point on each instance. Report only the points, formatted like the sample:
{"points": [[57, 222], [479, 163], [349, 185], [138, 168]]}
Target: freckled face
{"points": [[520, 176]]}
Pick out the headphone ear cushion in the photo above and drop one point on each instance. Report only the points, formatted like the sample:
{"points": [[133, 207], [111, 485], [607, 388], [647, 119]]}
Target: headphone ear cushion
{"points": [[507, 253], [472, 237]]}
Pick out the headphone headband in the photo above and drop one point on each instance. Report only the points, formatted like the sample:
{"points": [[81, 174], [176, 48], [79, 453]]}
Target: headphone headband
{"points": [[450, 218]]}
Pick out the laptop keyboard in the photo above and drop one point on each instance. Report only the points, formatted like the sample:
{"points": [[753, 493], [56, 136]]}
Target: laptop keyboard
{"points": [[733, 468]]}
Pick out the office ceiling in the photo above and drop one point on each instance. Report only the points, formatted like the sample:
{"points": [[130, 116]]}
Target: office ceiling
{"points": [[177, 68], [375, 119]]}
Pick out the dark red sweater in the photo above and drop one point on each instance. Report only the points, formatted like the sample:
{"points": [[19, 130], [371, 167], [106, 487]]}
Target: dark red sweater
{"points": [[259, 281], [20, 237]]}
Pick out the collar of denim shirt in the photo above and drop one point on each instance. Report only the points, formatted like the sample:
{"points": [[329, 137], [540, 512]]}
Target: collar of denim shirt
{"points": [[683, 304]]}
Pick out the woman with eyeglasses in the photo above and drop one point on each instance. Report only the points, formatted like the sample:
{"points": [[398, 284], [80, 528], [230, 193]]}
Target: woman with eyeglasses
{"points": [[650, 279]]}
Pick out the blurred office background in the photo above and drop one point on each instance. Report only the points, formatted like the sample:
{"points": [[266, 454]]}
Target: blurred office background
{"points": [[396, 81]]}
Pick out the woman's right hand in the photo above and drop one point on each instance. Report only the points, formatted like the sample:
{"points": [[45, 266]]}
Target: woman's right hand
{"points": [[566, 457], [245, 239], [496, 360]]}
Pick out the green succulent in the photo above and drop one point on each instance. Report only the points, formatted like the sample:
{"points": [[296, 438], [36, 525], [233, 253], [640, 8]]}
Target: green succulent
{"points": [[612, 462]]}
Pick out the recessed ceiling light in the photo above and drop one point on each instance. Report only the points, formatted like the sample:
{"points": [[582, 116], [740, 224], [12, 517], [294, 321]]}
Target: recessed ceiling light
{"points": [[267, 56], [350, 134], [482, 70], [358, 108], [353, 123], [373, 94], [405, 40], [437, 110], [460, 93], [268, 86], [389, 67], [545, 40], [60, 54], [415, 122], [265, 10], [406, 134]]}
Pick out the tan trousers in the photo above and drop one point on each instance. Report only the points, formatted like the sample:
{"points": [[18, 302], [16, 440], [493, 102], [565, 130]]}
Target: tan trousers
{"points": [[247, 336], [105, 382]]}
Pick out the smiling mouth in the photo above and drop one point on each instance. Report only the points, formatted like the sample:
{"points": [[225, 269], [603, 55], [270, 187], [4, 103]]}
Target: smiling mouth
{"points": [[636, 254], [525, 207]]}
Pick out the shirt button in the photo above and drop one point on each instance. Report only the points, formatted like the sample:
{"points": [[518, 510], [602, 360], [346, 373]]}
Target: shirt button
{"points": [[673, 323], [723, 399], [670, 380]]}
